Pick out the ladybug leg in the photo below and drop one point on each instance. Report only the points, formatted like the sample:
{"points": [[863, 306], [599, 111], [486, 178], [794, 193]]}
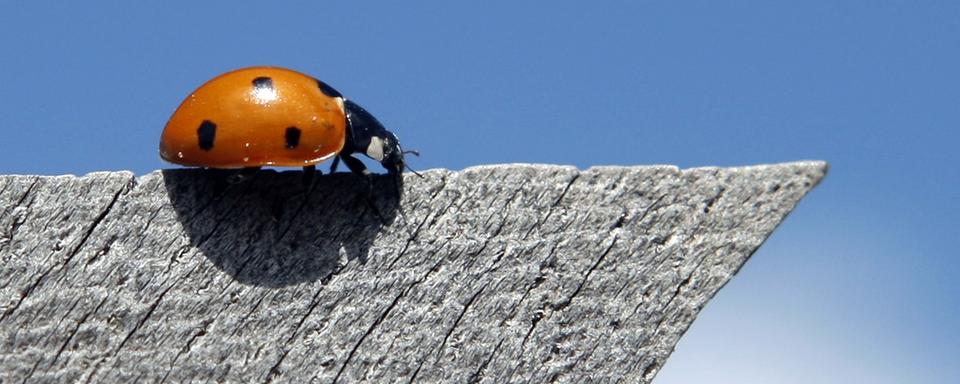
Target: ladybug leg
{"points": [[336, 162], [309, 175], [356, 166]]}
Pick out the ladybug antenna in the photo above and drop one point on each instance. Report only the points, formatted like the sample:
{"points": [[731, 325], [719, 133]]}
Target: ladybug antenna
{"points": [[407, 166]]}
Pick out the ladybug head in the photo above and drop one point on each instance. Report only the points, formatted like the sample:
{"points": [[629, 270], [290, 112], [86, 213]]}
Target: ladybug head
{"points": [[386, 149], [366, 135]]}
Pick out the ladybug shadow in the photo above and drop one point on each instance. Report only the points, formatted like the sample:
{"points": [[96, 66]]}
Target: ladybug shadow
{"points": [[268, 231]]}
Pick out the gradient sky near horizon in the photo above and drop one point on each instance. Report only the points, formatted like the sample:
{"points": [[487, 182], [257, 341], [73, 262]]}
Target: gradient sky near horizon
{"points": [[858, 285]]}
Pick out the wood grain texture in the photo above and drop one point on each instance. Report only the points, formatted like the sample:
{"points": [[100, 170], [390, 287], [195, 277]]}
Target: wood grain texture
{"points": [[507, 273]]}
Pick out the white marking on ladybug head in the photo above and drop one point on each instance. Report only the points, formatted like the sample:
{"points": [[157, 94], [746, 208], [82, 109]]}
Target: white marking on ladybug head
{"points": [[375, 149]]}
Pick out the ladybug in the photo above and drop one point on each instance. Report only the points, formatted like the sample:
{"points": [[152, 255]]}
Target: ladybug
{"points": [[272, 116]]}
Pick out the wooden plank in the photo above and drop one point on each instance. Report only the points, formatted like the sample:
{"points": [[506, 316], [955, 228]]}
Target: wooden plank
{"points": [[491, 274]]}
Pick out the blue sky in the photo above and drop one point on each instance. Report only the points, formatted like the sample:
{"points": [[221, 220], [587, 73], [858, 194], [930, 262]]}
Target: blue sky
{"points": [[859, 284]]}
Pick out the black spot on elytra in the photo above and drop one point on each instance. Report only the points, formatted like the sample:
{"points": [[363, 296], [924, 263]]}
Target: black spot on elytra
{"points": [[263, 82], [206, 134], [328, 90], [292, 137]]}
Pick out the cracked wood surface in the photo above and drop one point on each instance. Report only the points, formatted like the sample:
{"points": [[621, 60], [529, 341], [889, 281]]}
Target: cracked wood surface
{"points": [[509, 273]]}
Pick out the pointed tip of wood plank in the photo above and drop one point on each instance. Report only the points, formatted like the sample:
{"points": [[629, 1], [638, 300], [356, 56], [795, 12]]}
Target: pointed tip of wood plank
{"points": [[503, 272]]}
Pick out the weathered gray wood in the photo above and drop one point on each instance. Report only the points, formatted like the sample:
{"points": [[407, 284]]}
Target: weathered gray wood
{"points": [[492, 274]]}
